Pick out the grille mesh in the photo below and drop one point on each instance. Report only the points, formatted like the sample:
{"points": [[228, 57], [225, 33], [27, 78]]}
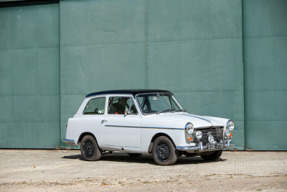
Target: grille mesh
{"points": [[216, 132]]}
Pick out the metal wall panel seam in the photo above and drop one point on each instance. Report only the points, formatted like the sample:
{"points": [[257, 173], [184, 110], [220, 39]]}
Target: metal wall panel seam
{"points": [[24, 48], [244, 76], [266, 36], [60, 101], [146, 41], [163, 41], [101, 44], [191, 40]]}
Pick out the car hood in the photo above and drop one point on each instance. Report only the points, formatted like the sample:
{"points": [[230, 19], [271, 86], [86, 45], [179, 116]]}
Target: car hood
{"points": [[180, 120]]}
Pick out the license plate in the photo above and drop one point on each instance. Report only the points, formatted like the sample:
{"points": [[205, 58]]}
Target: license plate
{"points": [[216, 146]]}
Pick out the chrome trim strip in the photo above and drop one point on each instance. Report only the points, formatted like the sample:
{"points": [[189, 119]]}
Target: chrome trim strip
{"points": [[187, 148], [140, 127], [195, 116], [201, 148]]}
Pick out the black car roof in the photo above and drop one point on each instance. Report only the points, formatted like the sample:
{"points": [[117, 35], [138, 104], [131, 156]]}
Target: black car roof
{"points": [[128, 91]]}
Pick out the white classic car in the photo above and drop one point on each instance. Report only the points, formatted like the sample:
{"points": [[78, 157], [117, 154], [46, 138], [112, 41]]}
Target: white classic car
{"points": [[145, 122]]}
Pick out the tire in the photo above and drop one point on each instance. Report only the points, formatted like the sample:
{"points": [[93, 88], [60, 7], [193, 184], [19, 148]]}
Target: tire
{"points": [[211, 156], [163, 151], [89, 149], [134, 154]]}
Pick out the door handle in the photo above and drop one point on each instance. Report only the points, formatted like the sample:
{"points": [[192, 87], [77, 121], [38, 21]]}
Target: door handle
{"points": [[103, 121]]}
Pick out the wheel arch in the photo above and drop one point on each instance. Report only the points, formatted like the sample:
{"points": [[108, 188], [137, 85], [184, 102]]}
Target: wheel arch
{"points": [[155, 137], [84, 134]]}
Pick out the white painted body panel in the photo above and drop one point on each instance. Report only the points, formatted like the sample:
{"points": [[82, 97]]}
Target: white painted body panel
{"points": [[133, 133]]}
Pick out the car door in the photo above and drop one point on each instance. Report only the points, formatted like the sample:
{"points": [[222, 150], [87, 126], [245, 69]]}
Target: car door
{"points": [[121, 125], [92, 115]]}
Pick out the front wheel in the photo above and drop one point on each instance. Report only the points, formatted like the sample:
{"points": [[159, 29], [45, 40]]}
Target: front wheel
{"points": [[211, 156], [89, 149], [163, 151]]}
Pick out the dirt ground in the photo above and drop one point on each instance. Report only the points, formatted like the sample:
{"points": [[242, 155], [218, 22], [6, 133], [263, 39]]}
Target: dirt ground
{"points": [[64, 170]]}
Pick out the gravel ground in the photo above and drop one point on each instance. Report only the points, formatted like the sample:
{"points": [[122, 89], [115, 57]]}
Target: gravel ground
{"points": [[64, 170]]}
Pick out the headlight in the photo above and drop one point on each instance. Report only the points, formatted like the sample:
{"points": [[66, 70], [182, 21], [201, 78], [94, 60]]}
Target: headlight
{"points": [[198, 135], [230, 125], [189, 128], [211, 139]]}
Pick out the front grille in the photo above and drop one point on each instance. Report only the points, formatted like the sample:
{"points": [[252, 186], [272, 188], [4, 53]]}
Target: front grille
{"points": [[216, 132]]}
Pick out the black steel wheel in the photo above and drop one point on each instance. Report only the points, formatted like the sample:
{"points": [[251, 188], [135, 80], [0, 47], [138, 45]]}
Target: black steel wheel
{"points": [[89, 149], [164, 152], [211, 156]]}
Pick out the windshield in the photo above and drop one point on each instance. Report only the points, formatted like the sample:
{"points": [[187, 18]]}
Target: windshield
{"points": [[158, 103]]}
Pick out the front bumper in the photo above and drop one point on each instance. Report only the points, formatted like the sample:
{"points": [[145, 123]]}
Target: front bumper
{"points": [[208, 147]]}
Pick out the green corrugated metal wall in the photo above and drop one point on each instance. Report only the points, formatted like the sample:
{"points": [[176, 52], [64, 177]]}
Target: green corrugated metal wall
{"points": [[265, 51], [29, 77], [194, 49], [102, 47], [208, 53]]}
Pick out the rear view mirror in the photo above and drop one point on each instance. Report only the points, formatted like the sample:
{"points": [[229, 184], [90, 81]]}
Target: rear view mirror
{"points": [[127, 112]]}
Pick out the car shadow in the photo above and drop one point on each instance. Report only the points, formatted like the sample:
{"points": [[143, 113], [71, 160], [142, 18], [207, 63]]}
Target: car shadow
{"points": [[145, 159], [73, 157]]}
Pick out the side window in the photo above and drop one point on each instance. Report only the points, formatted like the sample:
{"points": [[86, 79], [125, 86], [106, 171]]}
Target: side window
{"points": [[120, 105], [95, 106]]}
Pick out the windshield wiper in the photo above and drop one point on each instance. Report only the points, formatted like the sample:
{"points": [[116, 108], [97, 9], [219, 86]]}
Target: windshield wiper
{"points": [[163, 111], [179, 110], [171, 110]]}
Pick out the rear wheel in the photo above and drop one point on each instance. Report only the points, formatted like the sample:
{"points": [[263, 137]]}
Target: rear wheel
{"points": [[89, 149], [164, 152], [211, 156]]}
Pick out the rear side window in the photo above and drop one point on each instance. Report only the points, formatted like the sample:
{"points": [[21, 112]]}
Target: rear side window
{"points": [[95, 106]]}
